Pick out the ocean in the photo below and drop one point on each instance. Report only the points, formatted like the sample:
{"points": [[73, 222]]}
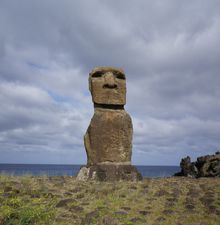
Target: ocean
{"points": [[72, 170]]}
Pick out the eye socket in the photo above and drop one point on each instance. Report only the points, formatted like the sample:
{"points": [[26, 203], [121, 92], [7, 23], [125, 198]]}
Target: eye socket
{"points": [[97, 74], [120, 76]]}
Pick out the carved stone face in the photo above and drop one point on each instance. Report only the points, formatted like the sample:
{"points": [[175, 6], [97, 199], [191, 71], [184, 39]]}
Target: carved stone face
{"points": [[108, 86]]}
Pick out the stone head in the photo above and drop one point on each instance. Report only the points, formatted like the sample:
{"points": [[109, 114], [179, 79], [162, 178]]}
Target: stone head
{"points": [[107, 86]]}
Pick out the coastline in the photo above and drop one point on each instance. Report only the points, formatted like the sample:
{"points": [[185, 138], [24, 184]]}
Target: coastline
{"points": [[153, 201]]}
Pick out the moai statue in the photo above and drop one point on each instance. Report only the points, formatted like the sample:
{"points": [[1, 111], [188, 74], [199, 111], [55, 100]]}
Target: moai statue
{"points": [[108, 140]]}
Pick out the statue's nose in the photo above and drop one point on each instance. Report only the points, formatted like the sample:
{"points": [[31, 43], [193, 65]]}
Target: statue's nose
{"points": [[109, 80]]}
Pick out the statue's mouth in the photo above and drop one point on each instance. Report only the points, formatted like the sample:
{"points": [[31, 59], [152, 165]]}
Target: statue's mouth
{"points": [[110, 86]]}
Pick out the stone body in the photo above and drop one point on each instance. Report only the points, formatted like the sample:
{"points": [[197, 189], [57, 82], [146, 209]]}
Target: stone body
{"points": [[109, 137], [204, 166], [108, 140]]}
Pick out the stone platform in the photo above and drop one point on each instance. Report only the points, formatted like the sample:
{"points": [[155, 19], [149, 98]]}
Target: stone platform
{"points": [[109, 173]]}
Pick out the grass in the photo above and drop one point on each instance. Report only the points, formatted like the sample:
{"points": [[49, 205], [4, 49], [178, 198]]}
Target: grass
{"points": [[63, 200]]}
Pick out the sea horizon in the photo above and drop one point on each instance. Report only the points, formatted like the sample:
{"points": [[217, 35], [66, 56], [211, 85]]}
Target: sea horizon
{"points": [[67, 164], [20, 169]]}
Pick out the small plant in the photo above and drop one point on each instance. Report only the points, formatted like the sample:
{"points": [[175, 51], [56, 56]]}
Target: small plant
{"points": [[37, 214], [26, 215]]}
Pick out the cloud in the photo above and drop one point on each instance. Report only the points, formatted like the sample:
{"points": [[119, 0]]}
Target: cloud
{"points": [[168, 49], [32, 121]]}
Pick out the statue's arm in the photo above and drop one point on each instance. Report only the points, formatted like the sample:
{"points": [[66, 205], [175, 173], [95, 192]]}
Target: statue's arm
{"points": [[87, 146]]}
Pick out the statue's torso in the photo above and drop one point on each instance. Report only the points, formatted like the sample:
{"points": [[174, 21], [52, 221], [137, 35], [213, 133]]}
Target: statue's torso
{"points": [[109, 137]]}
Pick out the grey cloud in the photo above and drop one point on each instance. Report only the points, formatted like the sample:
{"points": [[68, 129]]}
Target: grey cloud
{"points": [[32, 121], [168, 49]]}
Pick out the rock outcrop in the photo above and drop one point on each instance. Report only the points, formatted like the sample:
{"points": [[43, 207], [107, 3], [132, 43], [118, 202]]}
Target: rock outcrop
{"points": [[108, 140], [205, 166]]}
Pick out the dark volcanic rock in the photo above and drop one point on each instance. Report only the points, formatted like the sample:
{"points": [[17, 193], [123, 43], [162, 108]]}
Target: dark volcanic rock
{"points": [[190, 206], [64, 202], [161, 193], [137, 220], [188, 168], [76, 208], [109, 221], [90, 217], [161, 219], [205, 166], [144, 212], [208, 166], [7, 189], [121, 213], [168, 211]]}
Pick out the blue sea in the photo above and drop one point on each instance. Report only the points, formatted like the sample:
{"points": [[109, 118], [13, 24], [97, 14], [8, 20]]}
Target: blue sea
{"points": [[72, 170]]}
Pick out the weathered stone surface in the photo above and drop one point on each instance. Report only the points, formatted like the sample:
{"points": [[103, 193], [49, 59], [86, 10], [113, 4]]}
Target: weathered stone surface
{"points": [[109, 137], [108, 140], [209, 166], [205, 166], [83, 174], [108, 86], [112, 172], [188, 168]]}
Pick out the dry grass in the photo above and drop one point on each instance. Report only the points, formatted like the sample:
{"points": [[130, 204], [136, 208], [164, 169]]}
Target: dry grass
{"points": [[63, 200]]}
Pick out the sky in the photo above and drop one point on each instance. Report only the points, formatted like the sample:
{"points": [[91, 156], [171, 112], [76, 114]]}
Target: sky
{"points": [[169, 50]]}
